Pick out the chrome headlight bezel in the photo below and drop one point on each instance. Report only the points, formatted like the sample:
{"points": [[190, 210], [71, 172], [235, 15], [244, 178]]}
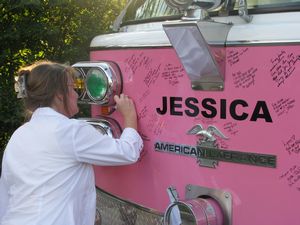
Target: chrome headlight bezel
{"points": [[111, 80], [105, 125]]}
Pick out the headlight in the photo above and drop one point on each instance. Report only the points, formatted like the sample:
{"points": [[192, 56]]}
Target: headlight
{"points": [[98, 82], [105, 125], [79, 84]]}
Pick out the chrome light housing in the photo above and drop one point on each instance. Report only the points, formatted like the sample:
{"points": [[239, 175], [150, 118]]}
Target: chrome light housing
{"points": [[98, 82], [105, 125]]}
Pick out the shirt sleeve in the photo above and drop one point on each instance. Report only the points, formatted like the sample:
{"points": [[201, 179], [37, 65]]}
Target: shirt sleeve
{"points": [[3, 197], [92, 147]]}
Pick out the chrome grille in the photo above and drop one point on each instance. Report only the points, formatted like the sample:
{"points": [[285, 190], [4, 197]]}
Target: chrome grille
{"points": [[112, 210]]}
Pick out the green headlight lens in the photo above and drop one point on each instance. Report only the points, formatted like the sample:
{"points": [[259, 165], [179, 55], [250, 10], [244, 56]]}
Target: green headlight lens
{"points": [[96, 84]]}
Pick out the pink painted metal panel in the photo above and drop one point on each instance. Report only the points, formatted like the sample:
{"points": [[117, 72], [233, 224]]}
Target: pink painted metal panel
{"points": [[253, 74]]}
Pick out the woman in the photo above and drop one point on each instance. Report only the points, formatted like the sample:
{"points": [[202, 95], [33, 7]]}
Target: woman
{"points": [[47, 175]]}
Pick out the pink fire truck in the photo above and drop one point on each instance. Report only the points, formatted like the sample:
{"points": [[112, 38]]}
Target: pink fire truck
{"points": [[215, 84]]}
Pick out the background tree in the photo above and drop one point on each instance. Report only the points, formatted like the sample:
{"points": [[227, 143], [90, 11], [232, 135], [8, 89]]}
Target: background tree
{"points": [[58, 30]]}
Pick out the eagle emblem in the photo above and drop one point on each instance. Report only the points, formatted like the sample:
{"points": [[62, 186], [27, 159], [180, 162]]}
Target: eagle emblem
{"points": [[207, 139], [207, 134]]}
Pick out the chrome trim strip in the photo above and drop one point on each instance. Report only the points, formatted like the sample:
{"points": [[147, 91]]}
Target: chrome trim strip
{"points": [[262, 43], [227, 44], [92, 49]]}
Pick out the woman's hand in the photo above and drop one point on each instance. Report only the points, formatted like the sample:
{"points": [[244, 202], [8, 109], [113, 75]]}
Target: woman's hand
{"points": [[126, 107]]}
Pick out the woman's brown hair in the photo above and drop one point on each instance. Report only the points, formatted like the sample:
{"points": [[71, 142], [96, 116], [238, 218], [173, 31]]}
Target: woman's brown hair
{"points": [[45, 79]]}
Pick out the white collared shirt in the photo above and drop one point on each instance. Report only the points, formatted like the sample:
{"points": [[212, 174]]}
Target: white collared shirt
{"points": [[47, 175]]}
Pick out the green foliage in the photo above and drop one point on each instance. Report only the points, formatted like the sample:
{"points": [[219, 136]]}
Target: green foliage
{"points": [[57, 30]]}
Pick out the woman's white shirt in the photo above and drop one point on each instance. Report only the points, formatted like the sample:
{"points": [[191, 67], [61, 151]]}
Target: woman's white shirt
{"points": [[47, 174]]}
